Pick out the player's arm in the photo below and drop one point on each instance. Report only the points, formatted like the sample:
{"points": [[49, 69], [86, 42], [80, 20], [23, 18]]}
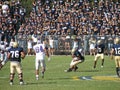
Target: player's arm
{"points": [[112, 52], [8, 55], [46, 52], [22, 54]]}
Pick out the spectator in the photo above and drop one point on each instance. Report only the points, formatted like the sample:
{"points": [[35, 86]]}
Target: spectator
{"points": [[52, 47], [92, 43], [29, 46], [80, 17]]}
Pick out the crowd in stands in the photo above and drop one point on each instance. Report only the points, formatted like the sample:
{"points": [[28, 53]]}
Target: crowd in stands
{"points": [[61, 17], [12, 15], [77, 17]]}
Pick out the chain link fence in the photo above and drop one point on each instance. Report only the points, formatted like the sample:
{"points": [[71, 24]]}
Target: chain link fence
{"points": [[64, 44]]}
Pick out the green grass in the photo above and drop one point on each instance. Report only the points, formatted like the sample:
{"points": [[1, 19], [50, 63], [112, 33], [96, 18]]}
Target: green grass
{"points": [[56, 79]]}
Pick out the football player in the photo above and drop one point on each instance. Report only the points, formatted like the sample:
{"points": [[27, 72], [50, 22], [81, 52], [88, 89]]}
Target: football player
{"points": [[99, 49], [116, 52], [3, 54], [77, 57], [15, 54], [40, 51]]}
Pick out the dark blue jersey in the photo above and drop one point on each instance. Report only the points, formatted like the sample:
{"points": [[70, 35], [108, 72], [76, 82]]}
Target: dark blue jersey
{"points": [[100, 48], [78, 54], [116, 48], [15, 54]]}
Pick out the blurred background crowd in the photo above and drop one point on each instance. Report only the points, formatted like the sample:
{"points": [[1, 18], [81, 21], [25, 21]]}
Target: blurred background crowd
{"points": [[59, 17]]}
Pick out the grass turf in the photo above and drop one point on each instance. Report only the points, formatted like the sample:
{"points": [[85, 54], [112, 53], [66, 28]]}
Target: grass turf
{"points": [[56, 79]]}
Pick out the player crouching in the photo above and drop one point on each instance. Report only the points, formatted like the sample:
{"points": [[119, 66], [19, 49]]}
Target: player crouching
{"points": [[77, 57]]}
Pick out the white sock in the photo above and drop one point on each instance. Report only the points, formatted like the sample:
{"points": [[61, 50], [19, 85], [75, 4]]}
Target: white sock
{"points": [[37, 76]]}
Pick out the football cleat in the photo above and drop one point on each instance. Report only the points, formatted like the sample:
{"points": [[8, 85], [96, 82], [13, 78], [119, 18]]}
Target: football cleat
{"points": [[21, 83], [69, 70], [42, 74], [37, 77], [101, 66], [94, 67], [11, 83]]}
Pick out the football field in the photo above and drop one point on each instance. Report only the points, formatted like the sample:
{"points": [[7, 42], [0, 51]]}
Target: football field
{"points": [[85, 78]]}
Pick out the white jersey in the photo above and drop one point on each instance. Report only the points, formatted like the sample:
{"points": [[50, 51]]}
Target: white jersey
{"points": [[39, 50]]}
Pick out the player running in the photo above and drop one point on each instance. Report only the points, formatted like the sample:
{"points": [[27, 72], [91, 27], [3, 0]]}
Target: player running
{"points": [[99, 49], [116, 52]]}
